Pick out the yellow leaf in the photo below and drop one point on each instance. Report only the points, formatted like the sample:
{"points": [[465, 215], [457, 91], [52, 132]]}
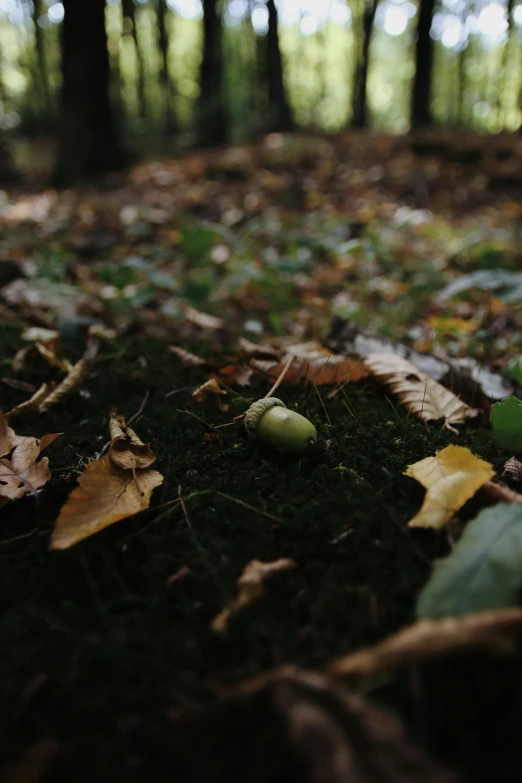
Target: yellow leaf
{"points": [[419, 393], [251, 587], [105, 494], [451, 477]]}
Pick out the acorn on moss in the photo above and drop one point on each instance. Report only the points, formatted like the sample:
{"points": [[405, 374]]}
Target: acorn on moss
{"points": [[270, 421]]}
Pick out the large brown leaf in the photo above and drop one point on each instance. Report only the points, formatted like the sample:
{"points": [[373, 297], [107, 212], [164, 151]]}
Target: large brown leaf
{"points": [[312, 362], [419, 393], [105, 494]]}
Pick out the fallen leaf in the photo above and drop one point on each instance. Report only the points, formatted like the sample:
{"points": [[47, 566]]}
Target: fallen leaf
{"points": [[105, 494], [236, 374], [499, 492], [344, 738], [251, 587], [114, 487], [20, 472], [484, 570], [252, 350], [209, 387], [31, 405], [312, 362], [451, 477], [419, 393], [126, 449], [203, 320], [187, 359], [513, 471], [75, 376], [427, 639], [506, 420]]}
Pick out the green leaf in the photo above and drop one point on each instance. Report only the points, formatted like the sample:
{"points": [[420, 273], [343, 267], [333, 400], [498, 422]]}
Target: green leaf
{"points": [[484, 571], [506, 420], [514, 369]]}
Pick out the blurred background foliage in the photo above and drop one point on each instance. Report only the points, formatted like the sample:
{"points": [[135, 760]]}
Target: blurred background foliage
{"points": [[155, 52]]}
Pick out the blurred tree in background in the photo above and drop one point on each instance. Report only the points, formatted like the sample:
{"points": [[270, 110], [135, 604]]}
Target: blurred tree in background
{"points": [[169, 73]]}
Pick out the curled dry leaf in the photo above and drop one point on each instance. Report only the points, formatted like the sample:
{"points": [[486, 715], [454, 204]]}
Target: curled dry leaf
{"points": [[204, 320], [492, 632], [126, 449], [75, 376], [451, 478], [513, 471], [209, 387], [252, 350], [32, 405], [345, 738], [499, 492], [419, 393], [251, 587], [187, 359], [20, 472], [114, 487], [236, 374]]}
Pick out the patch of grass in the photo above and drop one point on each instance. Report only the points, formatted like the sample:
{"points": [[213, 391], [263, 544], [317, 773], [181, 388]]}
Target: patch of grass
{"points": [[97, 648]]}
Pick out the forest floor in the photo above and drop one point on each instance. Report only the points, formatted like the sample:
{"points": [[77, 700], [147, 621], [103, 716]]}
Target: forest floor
{"points": [[111, 667]]}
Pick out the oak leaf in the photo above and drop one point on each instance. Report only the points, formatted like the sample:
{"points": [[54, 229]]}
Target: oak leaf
{"points": [[451, 477], [251, 587], [21, 472], [419, 393]]}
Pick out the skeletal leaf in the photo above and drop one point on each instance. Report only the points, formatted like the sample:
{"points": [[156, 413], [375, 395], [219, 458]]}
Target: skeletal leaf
{"points": [[105, 494], [251, 587], [451, 477], [21, 472], [419, 393], [126, 449], [484, 570], [491, 632]]}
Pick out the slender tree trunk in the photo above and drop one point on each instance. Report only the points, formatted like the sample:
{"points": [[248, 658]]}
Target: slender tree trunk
{"points": [[165, 78], [420, 115], [129, 18], [88, 142], [360, 82], [42, 76], [212, 117], [503, 70], [280, 114]]}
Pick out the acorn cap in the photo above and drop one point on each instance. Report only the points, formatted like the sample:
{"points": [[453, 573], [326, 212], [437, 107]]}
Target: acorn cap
{"points": [[257, 410]]}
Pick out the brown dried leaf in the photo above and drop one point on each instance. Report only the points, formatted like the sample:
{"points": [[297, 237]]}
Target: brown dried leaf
{"points": [[20, 358], [105, 494], [344, 738], [251, 587], [491, 631], [187, 359], [513, 471], [33, 403], [419, 393], [74, 378], [49, 352], [500, 493], [203, 320], [327, 368], [252, 350], [236, 374], [126, 449], [209, 387], [20, 473]]}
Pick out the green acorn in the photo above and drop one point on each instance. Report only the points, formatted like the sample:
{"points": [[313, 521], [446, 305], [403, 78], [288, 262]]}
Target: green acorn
{"points": [[270, 421]]}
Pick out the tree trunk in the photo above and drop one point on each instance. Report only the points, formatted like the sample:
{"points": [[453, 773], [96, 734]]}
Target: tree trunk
{"points": [[42, 76], [503, 70], [165, 79], [280, 114], [420, 115], [212, 118], [88, 142], [129, 19], [360, 81]]}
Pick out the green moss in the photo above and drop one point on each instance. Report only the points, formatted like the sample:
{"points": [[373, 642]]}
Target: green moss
{"points": [[97, 646]]}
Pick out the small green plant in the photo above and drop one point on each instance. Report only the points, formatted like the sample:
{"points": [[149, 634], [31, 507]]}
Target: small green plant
{"points": [[506, 420]]}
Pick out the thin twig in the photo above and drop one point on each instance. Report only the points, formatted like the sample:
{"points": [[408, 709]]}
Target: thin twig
{"points": [[251, 508], [141, 408], [281, 377], [322, 403], [179, 410], [187, 520]]}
